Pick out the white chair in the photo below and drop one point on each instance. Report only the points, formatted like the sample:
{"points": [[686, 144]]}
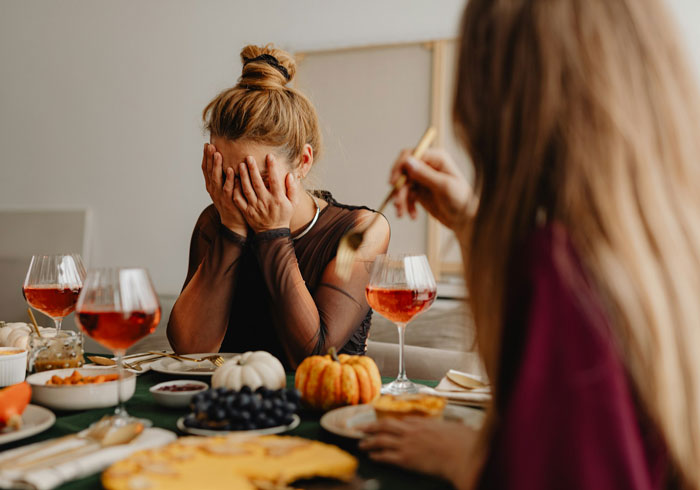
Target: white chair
{"points": [[422, 362]]}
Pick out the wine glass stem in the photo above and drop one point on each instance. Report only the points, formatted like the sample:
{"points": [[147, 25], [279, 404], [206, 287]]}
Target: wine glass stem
{"points": [[120, 410], [57, 322], [402, 363]]}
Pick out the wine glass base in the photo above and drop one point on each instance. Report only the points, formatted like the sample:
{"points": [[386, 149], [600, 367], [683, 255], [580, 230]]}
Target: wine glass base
{"points": [[399, 387]]}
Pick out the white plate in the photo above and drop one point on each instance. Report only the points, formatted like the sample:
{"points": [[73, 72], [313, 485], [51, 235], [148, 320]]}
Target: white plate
{"points": [[344, 420], [34, 420], [168, 365], [206, 432], [79, 397], [145, 367]]}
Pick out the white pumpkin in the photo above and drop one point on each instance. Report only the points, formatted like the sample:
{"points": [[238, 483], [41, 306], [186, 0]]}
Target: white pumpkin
{"points": [[253, 369], [17, 334]]}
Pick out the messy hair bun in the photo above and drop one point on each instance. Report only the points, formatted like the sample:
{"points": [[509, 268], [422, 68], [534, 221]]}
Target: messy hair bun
{"points": [[266, 68], [263, 108]]}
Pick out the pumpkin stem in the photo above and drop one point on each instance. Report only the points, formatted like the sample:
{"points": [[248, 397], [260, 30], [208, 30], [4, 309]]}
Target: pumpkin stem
{"points": [[332, 352]]}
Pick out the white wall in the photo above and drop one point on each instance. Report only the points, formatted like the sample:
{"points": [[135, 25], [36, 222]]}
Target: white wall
{"points": [[100, 102]]}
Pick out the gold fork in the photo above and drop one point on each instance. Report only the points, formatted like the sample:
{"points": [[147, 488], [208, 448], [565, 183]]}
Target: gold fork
{"points": [[215, 359], [351, 241]]}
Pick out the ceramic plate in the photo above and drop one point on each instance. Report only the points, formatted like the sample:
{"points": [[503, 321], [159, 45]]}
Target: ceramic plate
{"points": [[79, 397], [145, 367], [206, 432], [34, 420], [344, 420], [168, 365]]}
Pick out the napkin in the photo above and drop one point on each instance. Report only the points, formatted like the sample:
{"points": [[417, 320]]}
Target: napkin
{"points": [[456, 394], [50, 477]]}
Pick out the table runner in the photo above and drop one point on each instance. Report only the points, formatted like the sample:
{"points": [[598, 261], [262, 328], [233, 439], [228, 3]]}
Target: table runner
{"points": [[142, 405]]}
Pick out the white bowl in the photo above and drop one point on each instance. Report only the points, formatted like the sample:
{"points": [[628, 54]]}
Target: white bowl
{"points": [[176, 399], [79, 397], [13, 367]]}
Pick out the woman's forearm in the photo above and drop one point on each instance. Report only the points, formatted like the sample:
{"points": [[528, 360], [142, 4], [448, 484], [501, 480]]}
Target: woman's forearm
{"points": [[296, 316], [200, 316]]}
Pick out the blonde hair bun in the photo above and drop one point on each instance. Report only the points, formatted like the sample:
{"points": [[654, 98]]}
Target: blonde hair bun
{"points": [[266, 68]]}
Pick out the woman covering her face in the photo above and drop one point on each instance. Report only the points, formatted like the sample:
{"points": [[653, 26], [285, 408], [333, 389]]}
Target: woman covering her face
{"points": [[262, 256], [582, 249]]}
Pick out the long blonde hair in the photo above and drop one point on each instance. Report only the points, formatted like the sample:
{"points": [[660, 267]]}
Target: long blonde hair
{"points": [[587, 109]]}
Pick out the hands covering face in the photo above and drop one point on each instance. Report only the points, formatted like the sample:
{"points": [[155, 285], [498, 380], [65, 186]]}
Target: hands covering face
{"points": [[222, 193], [244, 200], [266, 209]]}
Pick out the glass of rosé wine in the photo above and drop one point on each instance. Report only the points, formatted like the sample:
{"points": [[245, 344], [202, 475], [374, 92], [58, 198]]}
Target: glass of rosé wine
{"points": [[117, 307], [400, 287], [53, 284]]}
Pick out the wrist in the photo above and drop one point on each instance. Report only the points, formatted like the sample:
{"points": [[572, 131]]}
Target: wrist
{"points": [[241, 230]]}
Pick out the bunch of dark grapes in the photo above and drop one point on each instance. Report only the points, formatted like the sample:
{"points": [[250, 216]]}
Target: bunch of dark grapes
{"points": [[224, 409]]}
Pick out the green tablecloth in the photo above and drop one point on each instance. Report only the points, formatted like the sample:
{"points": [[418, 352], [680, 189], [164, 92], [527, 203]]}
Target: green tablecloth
{"points": [[142, 405]]}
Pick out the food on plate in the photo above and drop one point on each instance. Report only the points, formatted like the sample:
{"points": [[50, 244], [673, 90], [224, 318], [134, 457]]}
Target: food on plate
{"points": [[78, 379], [223, 409], [253, 369], [11, 352], [414, 405], [233, 461], [13, 400], [187, 387], [331, 381]]}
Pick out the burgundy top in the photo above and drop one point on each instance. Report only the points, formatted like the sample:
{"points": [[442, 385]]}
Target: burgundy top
{"points": [[568, 415]]}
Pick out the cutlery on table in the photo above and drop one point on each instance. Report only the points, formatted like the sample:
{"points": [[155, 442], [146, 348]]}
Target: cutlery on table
{"points": [[113, 436], [351, 241], [101, 434], [106, 361], [215, 359]]}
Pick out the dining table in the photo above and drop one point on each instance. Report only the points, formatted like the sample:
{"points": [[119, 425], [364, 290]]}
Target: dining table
{"points": [[371, 475]]}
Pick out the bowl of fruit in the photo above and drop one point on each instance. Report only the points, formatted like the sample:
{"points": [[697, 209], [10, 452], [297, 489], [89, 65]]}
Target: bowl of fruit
{"points": [[222, 410], [178, 393]]}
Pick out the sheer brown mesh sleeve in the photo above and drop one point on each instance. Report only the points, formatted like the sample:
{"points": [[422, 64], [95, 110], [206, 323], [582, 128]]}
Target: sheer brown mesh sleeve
{"points": [[309, 324], [200, 316]]}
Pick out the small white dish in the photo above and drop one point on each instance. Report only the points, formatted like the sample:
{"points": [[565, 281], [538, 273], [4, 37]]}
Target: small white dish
{"points": [[13, 365], [171, 366], [278, 429], [344, 421], [34, 420], [176, 399], [79, 397]]}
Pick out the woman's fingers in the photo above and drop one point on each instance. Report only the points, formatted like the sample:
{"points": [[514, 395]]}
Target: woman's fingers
{"points": [[391, 426], [238, 198], [411, 202], [275, 176], [216, 171], [228, 184], [388, 456], [255, 177], [423, 174], [381, 441], [398, 167], [246, 185], [400, 201]]}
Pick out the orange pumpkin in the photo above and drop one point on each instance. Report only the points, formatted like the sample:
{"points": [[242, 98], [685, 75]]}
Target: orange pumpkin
{"points": [[331, 381]]}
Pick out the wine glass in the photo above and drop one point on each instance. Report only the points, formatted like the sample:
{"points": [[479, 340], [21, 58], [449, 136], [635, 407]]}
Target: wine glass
{"points": [[400, 287], [117, 307], [53, 284]]}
